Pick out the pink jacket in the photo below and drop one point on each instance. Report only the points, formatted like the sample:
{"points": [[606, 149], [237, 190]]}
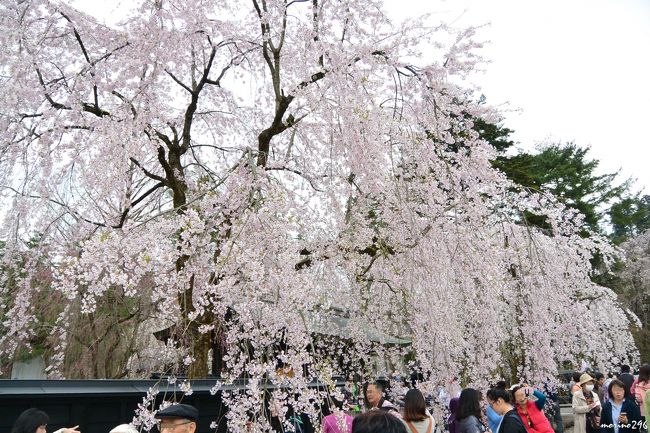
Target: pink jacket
{"points": [[639, 389], [331, 424]]}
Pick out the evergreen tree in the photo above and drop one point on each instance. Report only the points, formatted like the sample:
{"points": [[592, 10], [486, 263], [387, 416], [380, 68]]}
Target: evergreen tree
{"points": [[566, 171], [630, 217]]}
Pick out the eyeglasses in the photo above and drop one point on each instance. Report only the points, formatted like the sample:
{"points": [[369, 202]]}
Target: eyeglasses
{"points": [[171, 427]]}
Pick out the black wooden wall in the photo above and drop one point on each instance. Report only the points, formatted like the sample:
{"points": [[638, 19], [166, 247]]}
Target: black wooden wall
{"points": [[98, 406]]}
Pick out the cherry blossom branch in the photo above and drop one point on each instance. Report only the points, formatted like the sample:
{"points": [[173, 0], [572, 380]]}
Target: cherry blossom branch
{"points": [[233, 62], [298, 172], [282, 104], [297, 1], [123, 99], [179, 82], [191, 109], [74, 214], [85, 53], [266, 37], [136, 202], [148, 173], [199, 196], [85, 106]]}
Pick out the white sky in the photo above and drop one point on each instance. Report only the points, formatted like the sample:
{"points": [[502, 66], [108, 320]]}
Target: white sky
{"points": [[564, 70], [576, 70]]}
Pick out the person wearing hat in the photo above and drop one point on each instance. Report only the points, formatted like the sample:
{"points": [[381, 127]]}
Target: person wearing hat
{"points": [[178, 418], [586, 407]]}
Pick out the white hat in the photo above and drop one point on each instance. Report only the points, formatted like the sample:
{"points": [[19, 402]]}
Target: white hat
{"points": [[585, 378], [124, 428]]}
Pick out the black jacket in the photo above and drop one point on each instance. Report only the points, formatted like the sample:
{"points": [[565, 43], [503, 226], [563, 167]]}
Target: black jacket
{"points": [[633, 417], [511, 423], [628, 380], [470, 424]]}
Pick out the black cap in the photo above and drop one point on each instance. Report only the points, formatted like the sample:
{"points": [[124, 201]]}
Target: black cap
{"points": [[179, 411]]}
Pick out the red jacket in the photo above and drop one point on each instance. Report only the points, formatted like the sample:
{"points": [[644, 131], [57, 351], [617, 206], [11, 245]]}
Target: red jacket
{"points": [[538, 420]]}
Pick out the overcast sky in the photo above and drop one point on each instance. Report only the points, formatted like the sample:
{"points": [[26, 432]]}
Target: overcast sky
{"points": [[562, 70], [577, 70]]}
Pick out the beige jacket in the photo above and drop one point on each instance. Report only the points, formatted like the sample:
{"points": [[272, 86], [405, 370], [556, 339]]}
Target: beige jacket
{"points": [[580, 409]]}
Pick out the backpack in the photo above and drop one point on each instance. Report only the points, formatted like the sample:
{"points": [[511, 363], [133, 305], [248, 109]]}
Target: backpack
{"points": [[593, 418]]}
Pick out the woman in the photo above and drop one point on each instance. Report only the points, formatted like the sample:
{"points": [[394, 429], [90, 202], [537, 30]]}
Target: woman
{"points": [[415, 416], [586, 407], [575, 386], [469, 412], [620, 414], [531, 413], [452, 423], [337, 421], [35, 421], [641, 388]]}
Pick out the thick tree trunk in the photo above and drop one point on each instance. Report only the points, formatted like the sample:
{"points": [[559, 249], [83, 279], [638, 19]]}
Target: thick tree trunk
{"points": [[201, 344], [188, 330]]}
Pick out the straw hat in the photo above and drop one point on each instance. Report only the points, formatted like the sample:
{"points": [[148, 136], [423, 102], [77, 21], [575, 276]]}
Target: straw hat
{"points": [[585, 378]]}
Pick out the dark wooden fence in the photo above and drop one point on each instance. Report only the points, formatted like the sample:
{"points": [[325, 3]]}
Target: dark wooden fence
{"points": [[99, 405]]}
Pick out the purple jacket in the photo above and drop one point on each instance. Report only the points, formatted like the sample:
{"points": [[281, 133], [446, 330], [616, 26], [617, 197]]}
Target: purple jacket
{"points": [[451, 420]]}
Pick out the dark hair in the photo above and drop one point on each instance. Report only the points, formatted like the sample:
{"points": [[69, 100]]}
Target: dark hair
{"points": [[644, 373], [330, 404], [377, 421], [610, 374], [576, 376], [497, 393], [29, 421], [599, 375], [513, 390], [415, 408], [501, 384], [618, 383], [377, 384], [469, 404], [453, 405], [625, 368], [337, 403]]}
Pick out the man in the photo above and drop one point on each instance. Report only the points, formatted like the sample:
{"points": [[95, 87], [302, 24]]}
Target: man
{"points": [[627, 378], [494, 418], [376, 401], [377, 422], [499, 399], [600, 386], [178, 418]]}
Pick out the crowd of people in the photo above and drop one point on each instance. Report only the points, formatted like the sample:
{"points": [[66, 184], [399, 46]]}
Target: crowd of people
{"points": [[613, 404], [616, 404]]}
